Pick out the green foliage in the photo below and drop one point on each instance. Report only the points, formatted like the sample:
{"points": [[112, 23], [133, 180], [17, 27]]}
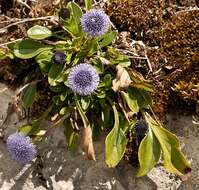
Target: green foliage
{"points": [[115, 143], [39, 32], [28, 48], [95, 112], [149, 153], [88, 4], [29, 95], [174, 160]]}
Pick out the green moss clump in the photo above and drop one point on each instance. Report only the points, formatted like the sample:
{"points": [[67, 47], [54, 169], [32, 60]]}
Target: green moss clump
{"points": [[172, 29], [178, 56], [134, 15]]}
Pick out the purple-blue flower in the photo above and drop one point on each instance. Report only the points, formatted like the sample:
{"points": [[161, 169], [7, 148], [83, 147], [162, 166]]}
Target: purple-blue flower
{"points": [[21, 148], [95, 22], [83, 79]]}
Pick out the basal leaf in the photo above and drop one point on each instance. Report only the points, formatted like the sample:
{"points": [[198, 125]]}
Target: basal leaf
{"points": [[71, 137], [131, 101], [39, 32], [148, 153], [143, 97], [174, 159], [72, 25], [108, 39], [54, 74], [115, 143], [44, 61], [29, 48], [29, 95]]}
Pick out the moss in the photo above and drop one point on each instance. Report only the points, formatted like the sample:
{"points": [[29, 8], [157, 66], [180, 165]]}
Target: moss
{"points": [[178, 57], [171, 36], [134, 15]]}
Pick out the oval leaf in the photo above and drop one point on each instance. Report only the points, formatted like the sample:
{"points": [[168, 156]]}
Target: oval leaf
{"points": [[29, 95], [131, 102], [108, 38], [115, 143], [174, 159], [143, 97], [148, 153], [39, 32], [28, 48], [54, 74], [44, 61], [72, 25]]}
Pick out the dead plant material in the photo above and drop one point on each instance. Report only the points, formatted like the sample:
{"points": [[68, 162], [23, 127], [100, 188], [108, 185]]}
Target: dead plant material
{"points": [[122, 80], [87, 143]]}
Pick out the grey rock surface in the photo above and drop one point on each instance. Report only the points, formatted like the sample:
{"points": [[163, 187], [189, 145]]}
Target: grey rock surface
{"points": [[57, 169]]}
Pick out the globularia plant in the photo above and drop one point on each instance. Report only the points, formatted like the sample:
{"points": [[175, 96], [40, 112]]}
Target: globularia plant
{"points": [[94, 86]]}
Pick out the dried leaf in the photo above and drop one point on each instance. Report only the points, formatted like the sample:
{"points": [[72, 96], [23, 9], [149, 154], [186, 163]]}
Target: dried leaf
{"points": [[87, 143], [122, 79]]}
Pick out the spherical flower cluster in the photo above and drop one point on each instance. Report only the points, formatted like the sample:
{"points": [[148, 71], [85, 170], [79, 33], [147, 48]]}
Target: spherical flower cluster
{"points": [[83, 79], [21, 148], [95, 23]]}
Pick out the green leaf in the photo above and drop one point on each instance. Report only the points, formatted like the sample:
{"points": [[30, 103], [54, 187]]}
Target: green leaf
{"points": [[82, 114], [115, 57], [4, 55], [54, 73], [72, 25], [57, 101], [131, 101], [106, 114], [88, 4], [115, 143], [143, 97], [107, 80], [44, 61], [139, 81], [71, 137], [92, 46], [58, 89], [29, 95], [85, 102], [28, 48], [25, 129], [64, 111], [174, 159], [108, 38], [39, 32], [73, 141], [148, 153], [63, 96]]}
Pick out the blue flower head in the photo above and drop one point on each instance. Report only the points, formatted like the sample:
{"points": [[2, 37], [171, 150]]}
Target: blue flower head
{"points": [[21, 148], [95, 23], [83, 79]]}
